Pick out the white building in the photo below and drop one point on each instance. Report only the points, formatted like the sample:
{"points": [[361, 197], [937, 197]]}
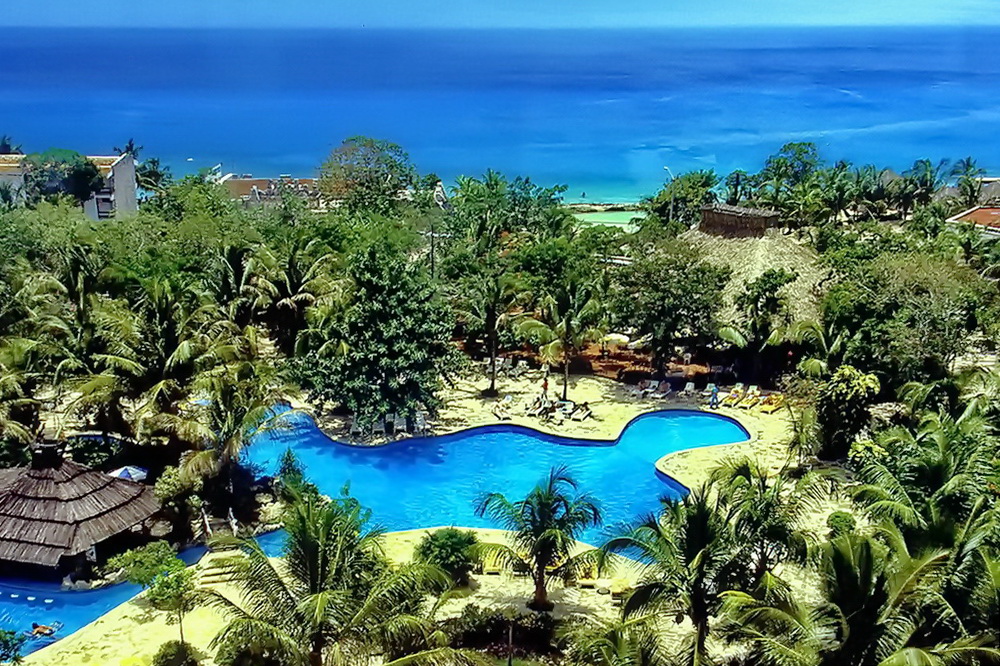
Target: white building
{"points": [[117, 197]]}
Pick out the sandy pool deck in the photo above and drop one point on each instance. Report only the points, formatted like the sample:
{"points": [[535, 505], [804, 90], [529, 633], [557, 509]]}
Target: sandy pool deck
{"points": [[131, 634]]}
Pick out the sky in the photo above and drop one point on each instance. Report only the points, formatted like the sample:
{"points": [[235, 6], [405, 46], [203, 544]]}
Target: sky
{"points": [[496, 14]]}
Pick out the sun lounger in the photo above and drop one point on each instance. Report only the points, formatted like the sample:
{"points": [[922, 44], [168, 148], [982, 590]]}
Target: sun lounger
{"points": [[708, 390], [519, 370], [399, 424], [581, 414], [688, 390], [378, 428], [639, 390], [751, 398], [355, 428], [662, 391], [420, 423], [733, 397], [506, 365], [772, 403]]}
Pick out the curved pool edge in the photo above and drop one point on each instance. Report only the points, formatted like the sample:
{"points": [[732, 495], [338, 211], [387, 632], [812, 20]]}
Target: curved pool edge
{"points": [[660, 466]]}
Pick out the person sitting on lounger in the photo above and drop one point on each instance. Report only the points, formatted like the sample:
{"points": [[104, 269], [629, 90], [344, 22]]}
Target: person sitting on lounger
{"points": [[41, 629], [581, 412]]}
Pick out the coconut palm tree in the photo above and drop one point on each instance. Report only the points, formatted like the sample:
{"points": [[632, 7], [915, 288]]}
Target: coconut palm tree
{"points": [[828, 343], [332, 598], [488, 299], [766, 512], [969, 180], [633, 641], [565, 320], [545, 526], [692, 555], [291, 283], [877, 609]]}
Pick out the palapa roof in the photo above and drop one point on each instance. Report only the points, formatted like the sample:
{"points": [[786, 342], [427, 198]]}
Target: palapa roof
{"points": [[57, 507], [740, 211]]}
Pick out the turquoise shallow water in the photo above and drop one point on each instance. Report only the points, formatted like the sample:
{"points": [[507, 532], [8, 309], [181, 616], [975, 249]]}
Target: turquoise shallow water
{"points": [[426, 482]]}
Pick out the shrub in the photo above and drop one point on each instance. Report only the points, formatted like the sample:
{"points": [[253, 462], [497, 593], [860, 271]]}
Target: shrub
{"points": [[174, 653], [143, 565], [450, 549], [840, 523], [487, 629]]}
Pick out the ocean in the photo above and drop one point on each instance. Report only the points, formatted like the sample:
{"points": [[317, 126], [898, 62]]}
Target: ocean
{"points": [[601, 111]]}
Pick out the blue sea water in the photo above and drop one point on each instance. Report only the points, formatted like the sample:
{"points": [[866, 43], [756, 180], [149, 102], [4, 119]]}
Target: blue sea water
{"points": [[602, 111], [425, 482]]}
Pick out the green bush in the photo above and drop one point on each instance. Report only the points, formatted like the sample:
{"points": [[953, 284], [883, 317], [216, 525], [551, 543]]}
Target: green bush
{"points": [[174, 653], [450, 549], [143, 565], [487, 629], [840, 523]]}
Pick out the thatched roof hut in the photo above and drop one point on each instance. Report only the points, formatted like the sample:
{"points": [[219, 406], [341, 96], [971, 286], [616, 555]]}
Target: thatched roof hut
{"points": [[736, 221], [56, 508]]}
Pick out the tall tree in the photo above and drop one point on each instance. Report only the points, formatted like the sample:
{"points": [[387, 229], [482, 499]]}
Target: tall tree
{"points": [[544, 527], [397, 336], [367, 174], [665, 295], [564, 321]]}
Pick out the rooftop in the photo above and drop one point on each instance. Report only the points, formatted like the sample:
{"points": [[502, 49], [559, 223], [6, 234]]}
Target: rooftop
{"points": [[56, 507], [104, 163], [983, 216]]}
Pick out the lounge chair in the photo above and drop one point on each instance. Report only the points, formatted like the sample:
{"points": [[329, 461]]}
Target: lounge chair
{"points": [[519, 370], [501, 409], [581, 414], [662, 391], [355, 428], [734, 396], [399, 424], [751, 398], [567, 407], [505, 366], [640, 389], [420, 423], [378, 428], [772, 403], [688, 390], [539, 407], [708, 390]]}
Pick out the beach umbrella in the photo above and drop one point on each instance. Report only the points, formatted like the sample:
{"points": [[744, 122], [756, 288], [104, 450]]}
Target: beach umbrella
{"points": [[130, 473]]}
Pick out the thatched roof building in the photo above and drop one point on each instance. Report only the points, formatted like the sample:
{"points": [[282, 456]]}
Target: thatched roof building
{"points": [[736, 221], [56, 508]]}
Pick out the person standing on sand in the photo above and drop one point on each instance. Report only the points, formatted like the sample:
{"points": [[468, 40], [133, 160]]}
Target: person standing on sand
{"points": [[713, 402], [545, 387]]}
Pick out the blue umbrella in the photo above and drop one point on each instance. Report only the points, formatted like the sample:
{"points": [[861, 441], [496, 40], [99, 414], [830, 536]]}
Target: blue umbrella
{"points": [[130, 473]]}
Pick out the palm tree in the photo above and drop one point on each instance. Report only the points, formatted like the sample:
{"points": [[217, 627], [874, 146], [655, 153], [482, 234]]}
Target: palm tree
{"points": [[566, 319], [828, 344], [633, 641], [969, 183], [488, 300], [692, 555], [876, 610], [545, 527], [928, 178], [765, 512], [291, 283], [333, 598]]}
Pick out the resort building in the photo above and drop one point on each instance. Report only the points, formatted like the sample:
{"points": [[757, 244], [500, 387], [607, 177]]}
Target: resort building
{"points": [[985, 218], [117, 197], [736, 221], [57, 515], [256, 191]]}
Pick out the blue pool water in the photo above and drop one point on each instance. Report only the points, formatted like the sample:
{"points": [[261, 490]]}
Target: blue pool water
{"points": [[427, 482], [434, 481], [25, 601]]}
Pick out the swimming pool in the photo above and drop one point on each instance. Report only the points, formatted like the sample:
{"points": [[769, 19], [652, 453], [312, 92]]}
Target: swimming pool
{"points": [[430, 481], [426, 482]]}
